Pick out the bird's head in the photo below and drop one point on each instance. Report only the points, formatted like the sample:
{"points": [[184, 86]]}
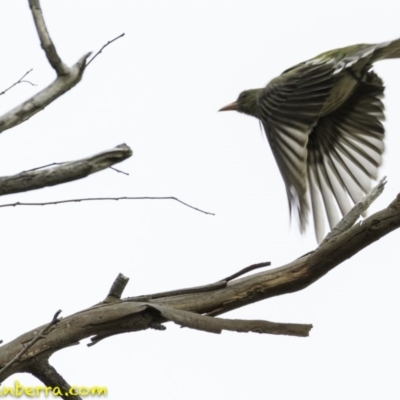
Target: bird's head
{"points": [[246, 103]]}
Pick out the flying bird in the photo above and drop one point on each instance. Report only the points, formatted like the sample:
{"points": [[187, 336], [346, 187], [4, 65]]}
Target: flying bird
{"points": [[323, 120]]}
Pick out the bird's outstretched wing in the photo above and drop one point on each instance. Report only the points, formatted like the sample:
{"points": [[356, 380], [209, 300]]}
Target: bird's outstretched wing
{"points": [[289, 107], [344, 152]]}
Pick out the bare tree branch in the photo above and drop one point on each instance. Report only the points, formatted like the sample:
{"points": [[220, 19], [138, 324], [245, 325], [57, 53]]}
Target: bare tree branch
{"points": [[45, 40], [66, 79], [217, 325], [65, 172], [42, 99], [50, 377], [103, 199], [204, 288], [104, 46], [119, 171], [117, 288], [44, 166], [186, 309], [20, 80], [194, 308], [246, 270], [40, 335]]}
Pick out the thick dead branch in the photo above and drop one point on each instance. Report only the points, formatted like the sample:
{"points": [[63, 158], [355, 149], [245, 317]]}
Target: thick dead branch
{"points": [[217, 325], [65, 172], [188, 319], [45, 40], [50, 377], [187, 309], [40, 335]]}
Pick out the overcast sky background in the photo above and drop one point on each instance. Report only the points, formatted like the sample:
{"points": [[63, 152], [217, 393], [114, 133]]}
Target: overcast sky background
{"points": [[158, 89]]}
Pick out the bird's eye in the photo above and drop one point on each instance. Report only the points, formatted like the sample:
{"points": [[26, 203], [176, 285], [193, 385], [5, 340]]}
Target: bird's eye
{"points": [[242, 96]]}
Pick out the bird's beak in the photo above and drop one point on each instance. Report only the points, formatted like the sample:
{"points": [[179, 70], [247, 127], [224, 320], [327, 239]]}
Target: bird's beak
{"points": [[230, 107]]}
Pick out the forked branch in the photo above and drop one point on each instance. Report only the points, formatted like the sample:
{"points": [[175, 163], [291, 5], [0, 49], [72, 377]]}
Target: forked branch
{"points": [[196, 309]]}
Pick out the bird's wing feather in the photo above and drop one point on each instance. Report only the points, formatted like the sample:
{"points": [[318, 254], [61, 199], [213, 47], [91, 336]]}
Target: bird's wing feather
{"points": [[344, 152], [289, 107]]}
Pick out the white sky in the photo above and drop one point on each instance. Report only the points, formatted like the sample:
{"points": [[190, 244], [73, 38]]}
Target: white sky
{"points": [[158, 89]]}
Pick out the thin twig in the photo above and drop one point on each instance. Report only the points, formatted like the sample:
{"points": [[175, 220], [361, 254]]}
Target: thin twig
{"points": [[119, 171], [44, 166], [64, 162], [20, 80], [104, 46], [43, 332], [107, 199]]}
